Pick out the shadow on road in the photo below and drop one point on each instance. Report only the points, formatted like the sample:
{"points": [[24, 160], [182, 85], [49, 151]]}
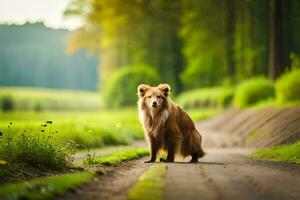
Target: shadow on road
{"points": [[198, 163]]}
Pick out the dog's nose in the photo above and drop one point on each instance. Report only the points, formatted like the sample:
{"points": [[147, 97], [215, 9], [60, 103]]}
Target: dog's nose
{"points": [[154, 104]]}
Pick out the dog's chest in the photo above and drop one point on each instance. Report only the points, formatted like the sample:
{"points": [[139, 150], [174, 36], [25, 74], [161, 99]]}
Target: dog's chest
{"points": [[150, 122]]}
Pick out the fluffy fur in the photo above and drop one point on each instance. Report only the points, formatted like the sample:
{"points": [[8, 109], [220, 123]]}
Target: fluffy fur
{"points": [[167, 127]]}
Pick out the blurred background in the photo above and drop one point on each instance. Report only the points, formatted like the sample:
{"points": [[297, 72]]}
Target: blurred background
{"points": [[109, 47], [89, 56]]}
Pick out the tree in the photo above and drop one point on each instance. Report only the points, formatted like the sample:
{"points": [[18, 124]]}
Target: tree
{"points": [[191, 43], [230, 30], [126, 33], [203, 32], [276, 51]]}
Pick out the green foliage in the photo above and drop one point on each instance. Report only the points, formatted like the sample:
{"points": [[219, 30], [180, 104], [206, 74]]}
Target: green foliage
{"points": [[288, 86], [116, 157], [131, 34], [290, 152], [150, 185], [295, 61], [252, 91], [215, 97], [34, 150], [44, 188], [205, 61], [121, 89], [197, 44], [18, 98], [7, 103]]}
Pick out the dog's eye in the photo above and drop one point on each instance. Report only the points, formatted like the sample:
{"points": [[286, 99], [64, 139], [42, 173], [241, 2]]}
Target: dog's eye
{"points": [[158, 97]]}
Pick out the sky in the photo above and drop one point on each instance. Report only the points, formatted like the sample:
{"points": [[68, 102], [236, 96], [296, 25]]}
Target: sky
{"points": [[48, 11]]}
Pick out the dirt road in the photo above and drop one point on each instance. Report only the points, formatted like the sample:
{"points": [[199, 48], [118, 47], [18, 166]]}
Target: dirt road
{"points": [[228, 174], [222, 174]]}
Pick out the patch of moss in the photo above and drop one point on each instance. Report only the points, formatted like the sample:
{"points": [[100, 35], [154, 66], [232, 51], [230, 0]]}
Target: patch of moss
{"points": [[150, 185]]}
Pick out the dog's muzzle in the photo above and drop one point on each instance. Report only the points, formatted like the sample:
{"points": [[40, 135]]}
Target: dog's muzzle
{"points": [[154, 104]]}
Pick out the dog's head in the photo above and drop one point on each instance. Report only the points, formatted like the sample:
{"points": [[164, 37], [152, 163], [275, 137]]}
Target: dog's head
{"points": [[154, 97]]}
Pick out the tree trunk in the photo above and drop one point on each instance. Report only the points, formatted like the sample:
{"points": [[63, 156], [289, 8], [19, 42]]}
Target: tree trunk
{"points": [[276, 62], [230, 29]]}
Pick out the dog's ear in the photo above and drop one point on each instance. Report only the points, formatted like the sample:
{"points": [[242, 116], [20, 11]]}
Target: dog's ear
{"points": [[165, 88], [141, 90]]}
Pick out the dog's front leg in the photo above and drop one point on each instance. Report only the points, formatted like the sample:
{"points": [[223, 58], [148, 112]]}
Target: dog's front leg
{"points": [[153, 150], [171, 152]]}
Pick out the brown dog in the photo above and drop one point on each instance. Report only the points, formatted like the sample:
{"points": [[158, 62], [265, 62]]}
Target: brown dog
{"points": [[166, 125]]}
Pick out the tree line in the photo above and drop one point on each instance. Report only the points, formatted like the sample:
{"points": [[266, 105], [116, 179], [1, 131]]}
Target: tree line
{"points": [[34, 55], [190, 43]]}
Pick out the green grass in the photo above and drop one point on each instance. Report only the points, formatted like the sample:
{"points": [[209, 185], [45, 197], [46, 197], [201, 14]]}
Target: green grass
{"points": [[30, 149], [290, 152], [26, 98], [116, 157], [214, 97], [150, 185], [26, 151], [44, 188], [88, 129]]}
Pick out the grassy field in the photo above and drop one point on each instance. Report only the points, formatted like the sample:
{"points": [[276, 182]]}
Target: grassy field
{"points": [[26, 98], [35, 143], [290, 153], [87, 129]]}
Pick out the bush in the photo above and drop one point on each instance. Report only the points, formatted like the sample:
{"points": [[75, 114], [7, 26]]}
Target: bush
{"points": [[252, 91], [7, 103], [288, 87], [206, 97], [37, 151], [121, 89]]}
